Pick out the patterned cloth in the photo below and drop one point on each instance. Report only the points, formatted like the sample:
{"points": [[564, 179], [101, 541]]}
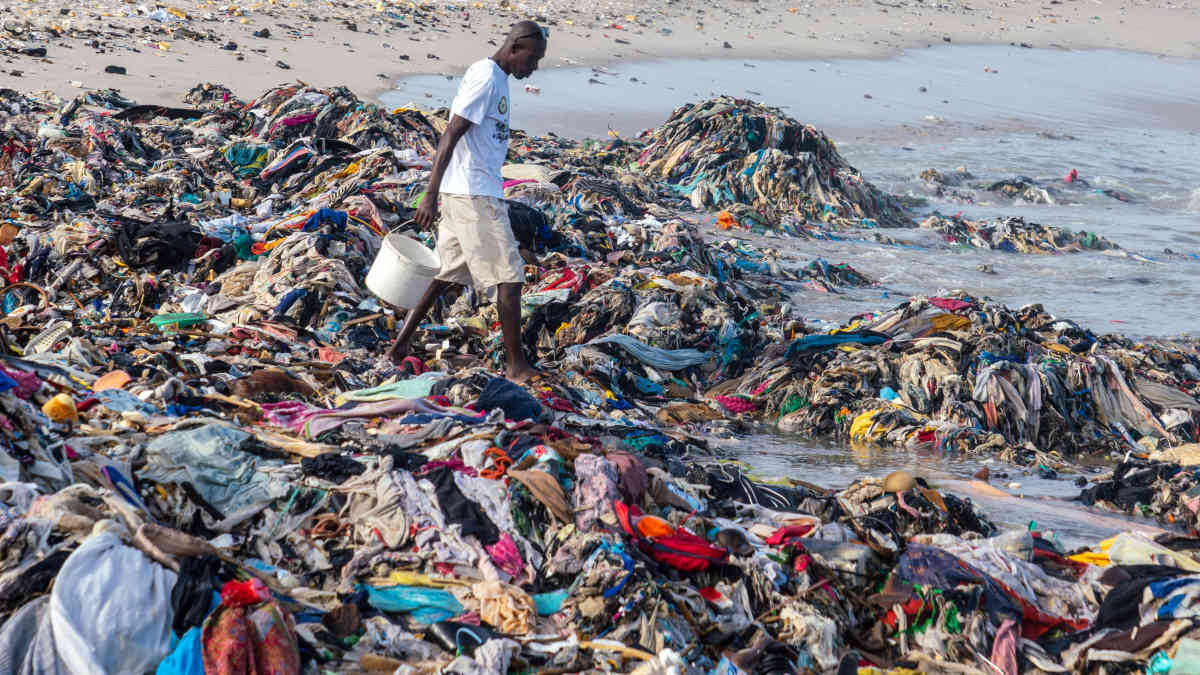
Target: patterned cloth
{"points": [[251, 640]]}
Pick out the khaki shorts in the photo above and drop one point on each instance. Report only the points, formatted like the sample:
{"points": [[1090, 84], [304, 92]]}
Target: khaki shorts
{"points": [[476, 243]]}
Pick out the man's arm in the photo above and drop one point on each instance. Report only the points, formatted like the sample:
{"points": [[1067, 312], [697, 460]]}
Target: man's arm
{"points": [[427, 212]]}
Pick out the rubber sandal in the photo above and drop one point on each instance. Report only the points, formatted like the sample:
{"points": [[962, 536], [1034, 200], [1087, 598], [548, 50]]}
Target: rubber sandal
{"points": [[458, 637], [51, 335]]}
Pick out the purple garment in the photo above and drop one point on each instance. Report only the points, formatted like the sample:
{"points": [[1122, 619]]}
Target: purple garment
{"points": [[633, 478], [454, 464], [595, 490], [506, 556], [290, 415], [1004, 648], [326, 420]]}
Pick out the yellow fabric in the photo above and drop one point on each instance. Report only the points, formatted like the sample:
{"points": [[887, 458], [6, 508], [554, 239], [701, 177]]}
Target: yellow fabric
{"points": [[861, 424], [950, 322], [404, 578], [61, 408], [1091, 558]]}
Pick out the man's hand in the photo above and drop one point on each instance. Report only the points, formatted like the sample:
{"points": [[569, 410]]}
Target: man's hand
{"points": [[427, 212]]}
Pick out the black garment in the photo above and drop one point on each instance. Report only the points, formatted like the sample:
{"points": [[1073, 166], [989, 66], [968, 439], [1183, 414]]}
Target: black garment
{"points": [[158, 246], [1131, 484], [192, 596], [1121, 606], [33, 581], [460, 510], [526, 222], [516, 403], [332, 466], [728, 482]]}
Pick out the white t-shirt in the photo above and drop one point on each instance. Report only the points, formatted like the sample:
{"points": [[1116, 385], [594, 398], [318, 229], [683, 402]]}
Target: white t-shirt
{"points": [[482, 98]]}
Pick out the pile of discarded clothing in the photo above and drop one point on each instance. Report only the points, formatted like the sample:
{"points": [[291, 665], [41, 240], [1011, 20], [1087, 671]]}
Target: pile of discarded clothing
{"points": [[963, 374], [1014, 235], [202, 447], [1164, 485], [733, 151]]}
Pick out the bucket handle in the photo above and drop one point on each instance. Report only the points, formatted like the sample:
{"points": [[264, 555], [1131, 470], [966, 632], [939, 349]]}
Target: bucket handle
{"points": [[402, 225]]}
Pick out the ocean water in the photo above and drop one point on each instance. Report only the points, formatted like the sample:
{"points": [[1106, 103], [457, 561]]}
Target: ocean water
{"points": [[1128, 123]]}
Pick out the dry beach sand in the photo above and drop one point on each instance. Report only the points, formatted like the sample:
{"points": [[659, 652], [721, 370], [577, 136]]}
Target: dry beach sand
{"points": [[365, 44]]}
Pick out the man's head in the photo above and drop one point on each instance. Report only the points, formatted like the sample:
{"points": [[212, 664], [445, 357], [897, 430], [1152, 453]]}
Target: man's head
{"points": [[523, 48]]}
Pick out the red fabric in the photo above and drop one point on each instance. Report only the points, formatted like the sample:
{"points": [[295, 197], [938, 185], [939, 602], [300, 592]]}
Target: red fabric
{"points": [[683, 550], [950, 304], [418, 366], [240, 593], [784, 535], [735, 404], [912, 608], [553, 402], [248, 640], [86, 404]]}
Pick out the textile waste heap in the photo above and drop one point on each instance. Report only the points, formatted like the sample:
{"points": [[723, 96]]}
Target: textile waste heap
{"points": [[203, 451]]}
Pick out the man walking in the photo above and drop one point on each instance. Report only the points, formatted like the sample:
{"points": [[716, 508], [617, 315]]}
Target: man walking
{"points": [[475, 242]]}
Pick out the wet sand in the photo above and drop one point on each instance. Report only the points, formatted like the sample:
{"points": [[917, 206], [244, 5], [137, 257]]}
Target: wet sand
{"points": [[366, 44]]}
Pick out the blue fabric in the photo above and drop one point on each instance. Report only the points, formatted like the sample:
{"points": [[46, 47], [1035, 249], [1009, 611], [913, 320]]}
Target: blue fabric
{"points": [[426, 605], [1168, 608], [338, 218], [516, 403], [550, 603], [647, 387], [187, 658], [1162, 589], [180, 410], [119, 401], [426, 418], [663, 359], [290, 299], [822, 342], [6, 382]]}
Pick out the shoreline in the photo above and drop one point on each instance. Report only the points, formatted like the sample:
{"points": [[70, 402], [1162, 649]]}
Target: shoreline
{"points": [[372, 45]]}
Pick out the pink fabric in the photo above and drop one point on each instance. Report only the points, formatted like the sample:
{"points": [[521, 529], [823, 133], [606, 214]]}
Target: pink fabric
{"points": [[325, 420], [1004, 648], [418, 366], [950, 304], [509, 183], [27, 383], [297, 120], [454, 464], [506, 556], [911, 511], [734, 404], [290, 415]]}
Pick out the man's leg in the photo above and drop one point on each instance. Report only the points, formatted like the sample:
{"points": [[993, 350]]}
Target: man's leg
{"points": [[509, 301], [415, 316]]}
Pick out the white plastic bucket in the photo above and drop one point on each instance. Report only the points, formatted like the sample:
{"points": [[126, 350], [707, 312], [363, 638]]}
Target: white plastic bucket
{"points": [[402, 271]]}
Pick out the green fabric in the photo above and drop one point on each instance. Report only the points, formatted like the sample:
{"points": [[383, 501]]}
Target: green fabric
{"points": [[241, 245], [414, 387], [248, 159]]}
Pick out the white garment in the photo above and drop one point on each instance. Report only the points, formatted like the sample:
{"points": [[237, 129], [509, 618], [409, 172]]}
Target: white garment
{"points": [[482, 99]]}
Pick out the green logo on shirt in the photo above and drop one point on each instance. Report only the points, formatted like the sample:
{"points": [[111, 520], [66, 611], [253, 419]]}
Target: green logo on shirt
{"points": [[503, 105]]}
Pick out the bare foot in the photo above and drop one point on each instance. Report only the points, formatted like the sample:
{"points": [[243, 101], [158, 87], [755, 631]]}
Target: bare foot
{"points": [[521, 374], [397, 353]]}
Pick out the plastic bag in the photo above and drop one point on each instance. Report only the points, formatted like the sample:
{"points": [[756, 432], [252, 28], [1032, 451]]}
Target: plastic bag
{"points": [[111, 609]]}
